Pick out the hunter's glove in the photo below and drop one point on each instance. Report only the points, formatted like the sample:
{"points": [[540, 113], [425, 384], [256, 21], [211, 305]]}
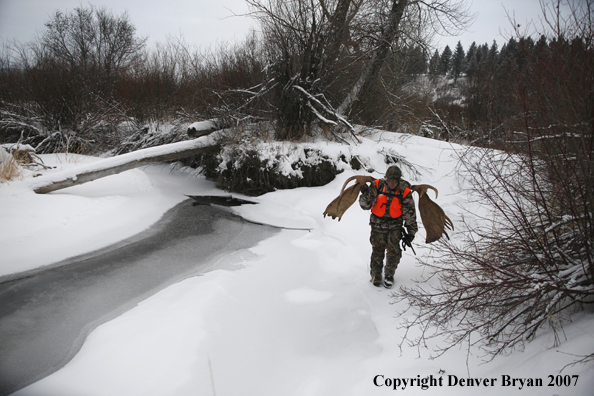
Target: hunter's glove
{"points": [[365, 189], [408, 238]]}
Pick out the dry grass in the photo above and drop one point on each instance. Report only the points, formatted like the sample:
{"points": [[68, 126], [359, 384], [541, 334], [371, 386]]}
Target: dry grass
{"points": [[9, 167]]}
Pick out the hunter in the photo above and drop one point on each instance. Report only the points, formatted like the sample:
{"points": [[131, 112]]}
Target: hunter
{"points": [[392, 208]]}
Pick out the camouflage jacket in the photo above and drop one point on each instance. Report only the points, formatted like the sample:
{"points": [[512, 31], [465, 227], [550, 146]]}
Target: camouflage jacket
{"points": [[386, 223]]}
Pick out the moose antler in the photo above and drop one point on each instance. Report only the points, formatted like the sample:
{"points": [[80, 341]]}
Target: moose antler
{"points": [[347, 197], [433, 217]]}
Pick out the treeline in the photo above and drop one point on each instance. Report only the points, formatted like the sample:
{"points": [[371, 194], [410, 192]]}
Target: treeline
{"points": [[89, 80], [490, 81], [470, 95]]}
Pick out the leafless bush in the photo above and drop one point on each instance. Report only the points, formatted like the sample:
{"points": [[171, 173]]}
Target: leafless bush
{"points": [[18, 119], [391, 157], [529, 265], [175, 80]]}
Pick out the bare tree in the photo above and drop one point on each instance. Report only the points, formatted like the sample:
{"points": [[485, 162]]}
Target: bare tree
{"points": [[305, 41], [92, 40], [389, 33], [68, 77], [326, 54], [397, 21]]}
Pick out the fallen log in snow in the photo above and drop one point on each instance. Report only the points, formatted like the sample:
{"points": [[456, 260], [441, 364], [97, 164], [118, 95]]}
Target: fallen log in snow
{"points": [[110, 166]]}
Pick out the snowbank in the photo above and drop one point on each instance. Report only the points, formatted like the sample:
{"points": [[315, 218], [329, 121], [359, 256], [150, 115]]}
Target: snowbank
{"points": [[298, 316], [40, 230]]}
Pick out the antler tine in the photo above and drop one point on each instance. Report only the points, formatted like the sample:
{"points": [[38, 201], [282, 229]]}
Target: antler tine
{"points": [[347, 182], [421, 189], [360, 180], [448, 223]]}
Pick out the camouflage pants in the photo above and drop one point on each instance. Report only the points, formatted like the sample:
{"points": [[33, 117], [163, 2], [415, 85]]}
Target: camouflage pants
{"points": [[380, 242]]}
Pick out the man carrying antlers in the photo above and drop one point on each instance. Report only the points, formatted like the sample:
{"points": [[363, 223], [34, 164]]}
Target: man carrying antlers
{"points": [[392, 208]]}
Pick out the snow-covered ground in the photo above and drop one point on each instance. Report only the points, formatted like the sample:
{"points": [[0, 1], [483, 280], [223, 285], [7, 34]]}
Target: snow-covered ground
{"points": [[297, 315]]}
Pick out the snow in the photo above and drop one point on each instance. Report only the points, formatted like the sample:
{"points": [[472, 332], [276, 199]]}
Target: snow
{"points": [[4, 155], [297, 315], [39, 230], [10, 147], [203, 125]]}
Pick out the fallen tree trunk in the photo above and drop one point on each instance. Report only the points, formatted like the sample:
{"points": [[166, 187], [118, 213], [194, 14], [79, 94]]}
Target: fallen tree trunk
{"points": [[110, 166]]}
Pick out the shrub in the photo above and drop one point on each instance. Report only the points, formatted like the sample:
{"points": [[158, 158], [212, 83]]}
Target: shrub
{"points": [[528, 265]]}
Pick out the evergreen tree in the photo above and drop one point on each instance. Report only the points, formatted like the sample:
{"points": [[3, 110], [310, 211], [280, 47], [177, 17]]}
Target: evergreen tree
{"points": [[509, 53], [471, 61], [541, 45], [493, 54], [446, 60], [481, 55], [458, 61], [435, 65], [523, 49], [472, 66], [471, 52]]}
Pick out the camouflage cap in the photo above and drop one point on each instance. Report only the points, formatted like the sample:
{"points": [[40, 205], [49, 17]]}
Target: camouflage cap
{"points": [[393, 173]]}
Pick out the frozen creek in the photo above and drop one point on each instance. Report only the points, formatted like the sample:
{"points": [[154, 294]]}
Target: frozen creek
{"points": [[45, 317]]}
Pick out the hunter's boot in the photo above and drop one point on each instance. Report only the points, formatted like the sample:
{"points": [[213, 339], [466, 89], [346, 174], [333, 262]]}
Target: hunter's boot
{"points": [[376, 279]]}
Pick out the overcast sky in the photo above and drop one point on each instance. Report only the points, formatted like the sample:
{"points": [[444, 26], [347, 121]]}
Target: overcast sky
{"points": [[208, 22]]}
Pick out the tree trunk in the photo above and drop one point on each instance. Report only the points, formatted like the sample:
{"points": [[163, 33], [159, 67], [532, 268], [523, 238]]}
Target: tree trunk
{"points": [[338, 31], [367, 78], [111, 166]]}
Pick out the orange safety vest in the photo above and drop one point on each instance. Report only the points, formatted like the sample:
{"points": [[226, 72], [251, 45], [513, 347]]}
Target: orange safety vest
{"points": [[379, 209]]}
